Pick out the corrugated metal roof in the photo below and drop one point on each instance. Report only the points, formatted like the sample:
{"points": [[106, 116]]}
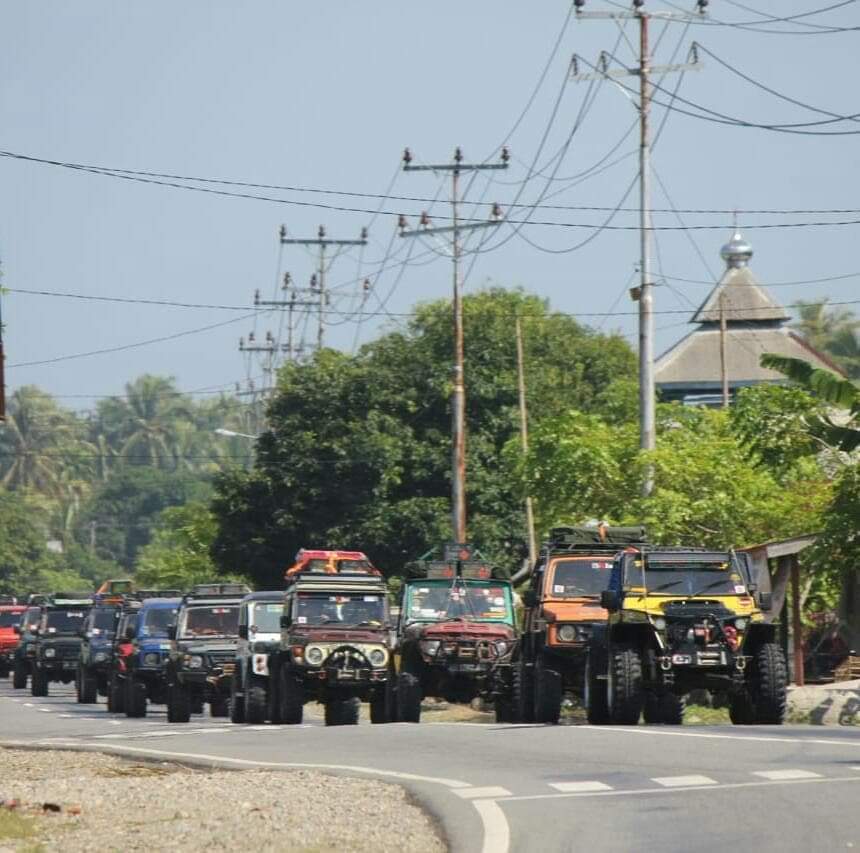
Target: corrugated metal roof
{"points": [[744, 300]]}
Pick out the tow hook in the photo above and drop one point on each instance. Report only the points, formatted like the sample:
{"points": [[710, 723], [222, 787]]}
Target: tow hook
{"points": [[666, 663], [741, 663]]}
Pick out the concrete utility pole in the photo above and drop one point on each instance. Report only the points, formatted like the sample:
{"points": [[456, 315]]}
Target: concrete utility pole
{"points": [[643, 294], [524, 439], [458, 402], [323, 243]]}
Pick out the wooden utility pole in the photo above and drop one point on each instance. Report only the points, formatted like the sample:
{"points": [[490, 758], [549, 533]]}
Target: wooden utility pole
{"points": [[458, 397], [644, 293], [524, 439], [322, 243], [724, 373]]}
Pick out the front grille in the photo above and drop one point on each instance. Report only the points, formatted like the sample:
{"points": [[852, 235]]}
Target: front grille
{"points": [[65, 652]]}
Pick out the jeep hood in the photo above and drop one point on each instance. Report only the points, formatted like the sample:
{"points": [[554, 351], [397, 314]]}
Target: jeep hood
{"points": [[579, 609], [343, 635], [461, 628], [195, 647]]}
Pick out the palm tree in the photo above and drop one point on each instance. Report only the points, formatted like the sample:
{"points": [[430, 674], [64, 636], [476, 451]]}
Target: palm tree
{"points": [[838, 392], [833, 331]]}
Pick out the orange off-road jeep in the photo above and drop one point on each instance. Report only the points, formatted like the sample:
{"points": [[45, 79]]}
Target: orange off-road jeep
{"points": [[561, 607]]}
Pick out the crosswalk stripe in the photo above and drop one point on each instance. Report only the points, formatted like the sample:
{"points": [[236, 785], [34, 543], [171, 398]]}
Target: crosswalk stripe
{"points": [[487, 793], [579, 787], [683, 781], [780, 775]]}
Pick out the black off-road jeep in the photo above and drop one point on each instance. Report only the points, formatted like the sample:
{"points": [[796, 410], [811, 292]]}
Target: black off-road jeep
{"points": [[58, 640]]}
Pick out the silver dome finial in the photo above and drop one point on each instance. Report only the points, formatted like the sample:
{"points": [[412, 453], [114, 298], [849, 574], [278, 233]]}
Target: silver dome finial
{"points": [[737, 252]]}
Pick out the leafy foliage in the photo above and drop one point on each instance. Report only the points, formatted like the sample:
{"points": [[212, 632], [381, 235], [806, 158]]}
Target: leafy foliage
{"points": [[834, 331]]}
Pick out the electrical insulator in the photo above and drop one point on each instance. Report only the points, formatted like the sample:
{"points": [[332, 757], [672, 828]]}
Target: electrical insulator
{"points": [[407, 156], [638, 4], [257, 297], [269, 337], [506, 155], [321, 232], [314, 281], [364, 233], [425, 219], [497, 211], [283, 231], [251, 338], [241, 343], [579, 3], [458, 155], [366, 285], [401, 222], [288, 280]]}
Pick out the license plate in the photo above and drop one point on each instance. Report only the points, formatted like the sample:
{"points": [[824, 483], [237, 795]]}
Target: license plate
{"points": [[345, 674], [69, 664]]}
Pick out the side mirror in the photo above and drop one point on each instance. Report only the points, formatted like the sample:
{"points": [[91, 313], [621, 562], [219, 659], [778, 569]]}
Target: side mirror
{"points": [[752, 588], [530, 598], [171, 632], [285, 620], [765, 601], [243, 632], [610, 600]]}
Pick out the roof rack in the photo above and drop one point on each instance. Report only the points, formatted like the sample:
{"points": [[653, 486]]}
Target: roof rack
{"points": [[330, 562], [343, 581], [601, 536], [115, 586], [8, 600], [217, 590], [459, 560], [70, 599], [143, 594]]}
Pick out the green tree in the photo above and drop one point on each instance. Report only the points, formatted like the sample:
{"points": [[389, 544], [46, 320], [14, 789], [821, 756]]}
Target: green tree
{"points": [[358, 453], [834, 331]]}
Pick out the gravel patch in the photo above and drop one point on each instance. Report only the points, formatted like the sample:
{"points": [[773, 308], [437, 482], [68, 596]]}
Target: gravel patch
{"points": [[127, 806]]}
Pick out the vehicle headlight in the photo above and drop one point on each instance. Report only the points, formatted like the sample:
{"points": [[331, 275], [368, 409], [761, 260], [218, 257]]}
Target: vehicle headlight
{"points": [[151, 659], [377, 657], [193, 661], [314, 655], [100, 657], [430, 647], [741, 623], [501, 648], [567, 633], [660, 623], [49, 653]]}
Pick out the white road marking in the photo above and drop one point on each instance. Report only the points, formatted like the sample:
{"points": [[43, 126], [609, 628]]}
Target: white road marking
{"points": [[115, 722], [487, 793], [683, 781], [779, 775], [45, 710], [497, 833], [28, 704], [579, 787], [654, 731]]}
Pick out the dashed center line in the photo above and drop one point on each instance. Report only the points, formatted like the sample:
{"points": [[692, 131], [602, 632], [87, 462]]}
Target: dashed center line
{"points": [[579, 787], [780, 775], [684, 781]]}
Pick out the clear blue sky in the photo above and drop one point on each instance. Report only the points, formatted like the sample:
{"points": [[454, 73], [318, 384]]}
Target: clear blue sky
{"points": [[326, 95]]}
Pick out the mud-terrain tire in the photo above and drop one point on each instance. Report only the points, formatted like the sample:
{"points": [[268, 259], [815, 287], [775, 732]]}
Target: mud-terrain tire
{"points": [[625, 692], [237, 701], [19, 676], [38, 683], [219, 707], [178, 704], [291, 699], [115, 697], [273, 705], [671, 709], [595, 696], [522, 693], [741, 709], [548, 693], [504, 710], [342, 712], [87, 687], [4, 672], [382, 707], [771, 677], [408, 698], [135, 698], [256, 703], [651, 709]]}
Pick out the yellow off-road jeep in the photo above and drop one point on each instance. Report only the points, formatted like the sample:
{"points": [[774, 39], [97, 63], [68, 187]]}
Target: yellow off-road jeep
{"points": [[683, 619]]}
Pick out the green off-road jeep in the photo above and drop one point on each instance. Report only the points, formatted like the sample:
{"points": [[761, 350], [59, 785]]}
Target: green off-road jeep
{"points": [[683, 619]]}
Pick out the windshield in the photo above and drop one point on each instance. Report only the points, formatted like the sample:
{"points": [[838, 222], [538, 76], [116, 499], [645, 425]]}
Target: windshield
{"points": [[104, 621], [156, 621], [220, 621], [686, 577], [32, 618], [587, 576], [65, 621], [340, 610], [266, 617], [10, 618], [440, 600]]}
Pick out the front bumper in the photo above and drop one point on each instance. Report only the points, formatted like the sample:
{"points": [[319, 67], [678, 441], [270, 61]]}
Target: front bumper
{"points": [[56, 667]]}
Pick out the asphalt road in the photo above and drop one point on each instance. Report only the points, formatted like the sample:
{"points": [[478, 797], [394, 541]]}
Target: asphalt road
{"points": [[498, 788]]}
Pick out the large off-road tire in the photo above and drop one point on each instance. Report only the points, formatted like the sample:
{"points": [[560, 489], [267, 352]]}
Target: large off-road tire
{"points": [[219, 706], [671, 709], [178, 704], [256, 702], [116, 696], [38, 683], [504, 709], [626, 695], [651, 708], [522, 693], [408, 698], [342, 712], [292, 698], [19, 676], [135, 698], [770, 680], [595, 689], [548, 693], [237, 700], [86, 686], [382, 707], [4, 672]]}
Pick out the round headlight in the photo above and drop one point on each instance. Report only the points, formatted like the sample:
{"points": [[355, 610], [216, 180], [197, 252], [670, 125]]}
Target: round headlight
{"points": [[377, 657], [501, 648], [194, 661], [430, 647], [314, 655], [100, 656], [151, 659], [49, 653], [567, 633], [740, 623], [660, 623]]}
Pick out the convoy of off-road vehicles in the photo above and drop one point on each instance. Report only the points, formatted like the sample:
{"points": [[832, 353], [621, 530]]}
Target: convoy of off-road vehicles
{"points": [[625, 628]]}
